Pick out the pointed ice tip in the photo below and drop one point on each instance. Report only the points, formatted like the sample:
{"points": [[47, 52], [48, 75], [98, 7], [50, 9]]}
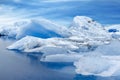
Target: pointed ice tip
{"points": [[83, 19]]}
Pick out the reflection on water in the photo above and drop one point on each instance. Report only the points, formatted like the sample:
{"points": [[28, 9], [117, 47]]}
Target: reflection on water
{"points": [[15, 65]]}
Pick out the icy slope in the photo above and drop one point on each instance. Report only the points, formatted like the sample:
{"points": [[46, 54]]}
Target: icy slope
{"points": [[88, 28], [43, 28]]}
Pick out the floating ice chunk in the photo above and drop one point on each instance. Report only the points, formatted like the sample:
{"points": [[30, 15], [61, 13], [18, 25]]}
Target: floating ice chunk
{"points": [[34, 44], [91, 64], [98, 65]]}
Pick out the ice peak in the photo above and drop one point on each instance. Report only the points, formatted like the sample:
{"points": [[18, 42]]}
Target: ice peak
{"points": [[86, 27], [84, 22]]}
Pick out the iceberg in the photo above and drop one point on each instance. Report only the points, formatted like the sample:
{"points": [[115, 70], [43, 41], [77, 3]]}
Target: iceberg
{"points": [[81, 44]]}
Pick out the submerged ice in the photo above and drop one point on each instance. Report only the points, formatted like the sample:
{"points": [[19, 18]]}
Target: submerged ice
{"points": [[81, 43]]}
